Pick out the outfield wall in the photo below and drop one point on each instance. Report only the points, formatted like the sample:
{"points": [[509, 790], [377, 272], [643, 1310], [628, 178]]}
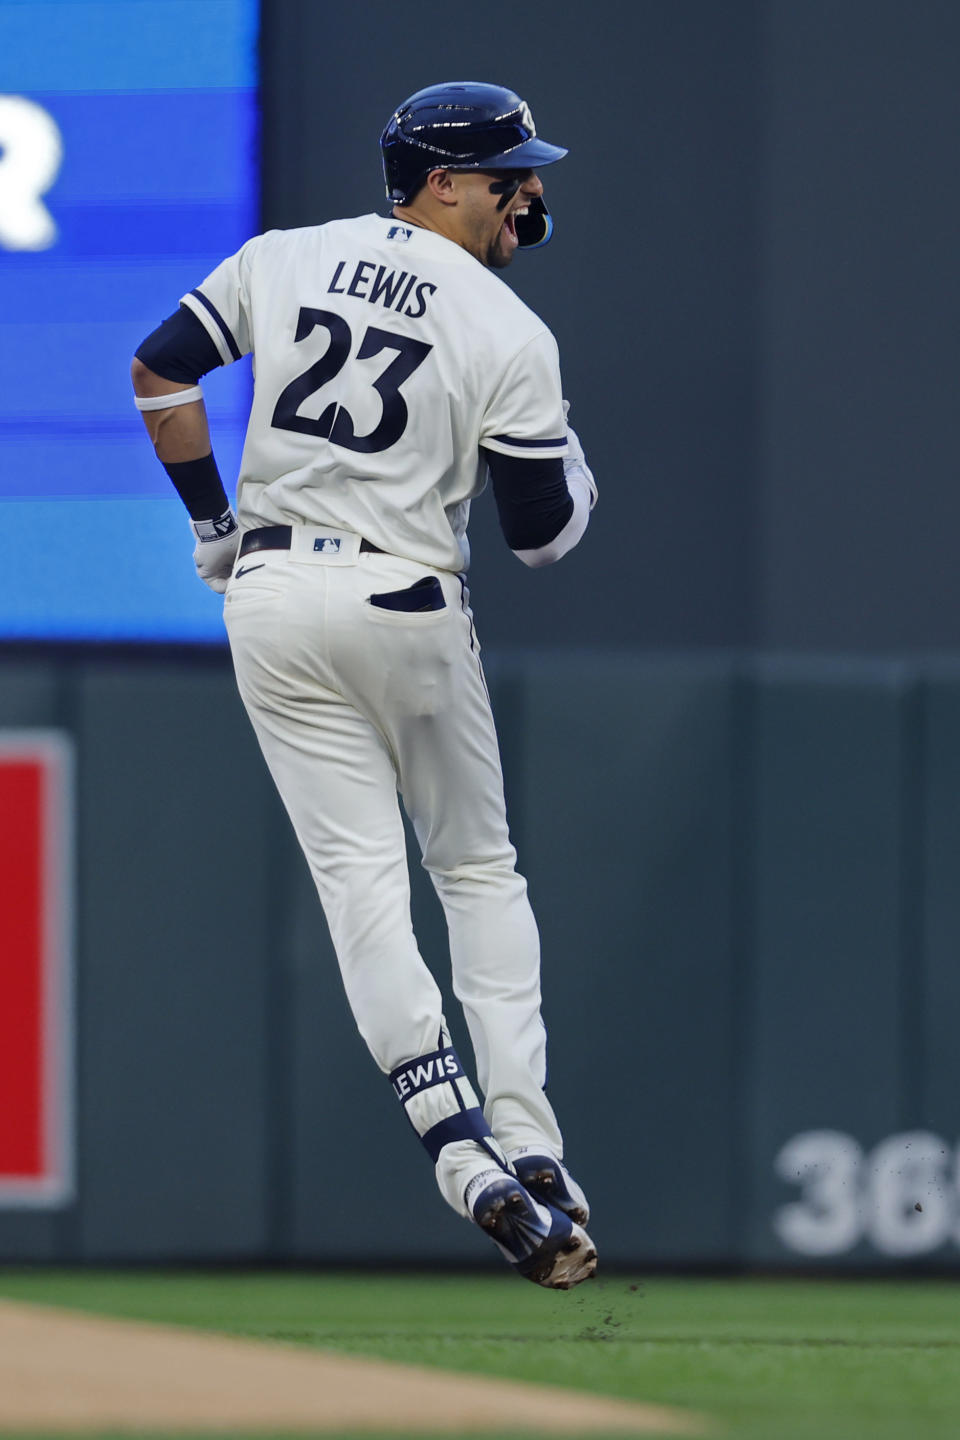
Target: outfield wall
{"points": [[745, 872]]}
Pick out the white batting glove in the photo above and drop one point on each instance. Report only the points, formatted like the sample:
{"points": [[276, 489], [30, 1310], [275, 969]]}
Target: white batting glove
{"points": [[216, 549], [575, 465]]}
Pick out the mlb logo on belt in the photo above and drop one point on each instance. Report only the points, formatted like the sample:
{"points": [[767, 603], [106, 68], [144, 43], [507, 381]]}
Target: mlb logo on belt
{"points": [[36, 1000], [327, 545]]}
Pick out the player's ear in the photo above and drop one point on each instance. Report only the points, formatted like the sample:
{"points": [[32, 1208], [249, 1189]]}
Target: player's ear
{"points": [[442, 185]]}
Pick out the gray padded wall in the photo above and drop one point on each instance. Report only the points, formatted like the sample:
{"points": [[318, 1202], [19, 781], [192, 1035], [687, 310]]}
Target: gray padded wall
{"points": [[745, 877], [175, 826], [829, 877], [627, 802], [176, 949], [932, 1094]]}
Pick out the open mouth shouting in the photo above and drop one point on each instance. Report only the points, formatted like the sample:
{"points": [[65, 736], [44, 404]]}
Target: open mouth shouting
{"points": [[514, 191], [510, 223]]}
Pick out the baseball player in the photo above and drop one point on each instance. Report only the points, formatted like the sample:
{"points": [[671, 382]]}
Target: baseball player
{"points": [[394, 372]]}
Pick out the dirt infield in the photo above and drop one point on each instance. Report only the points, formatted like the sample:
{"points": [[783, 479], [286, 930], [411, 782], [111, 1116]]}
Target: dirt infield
{"points": [[60, 1370]]}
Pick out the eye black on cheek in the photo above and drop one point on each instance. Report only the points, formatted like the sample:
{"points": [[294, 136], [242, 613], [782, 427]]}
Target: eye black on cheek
{"points": [[507, 187]]}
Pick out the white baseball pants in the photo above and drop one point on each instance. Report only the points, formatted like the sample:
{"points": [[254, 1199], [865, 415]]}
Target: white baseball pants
{"points": [[350, 703]]}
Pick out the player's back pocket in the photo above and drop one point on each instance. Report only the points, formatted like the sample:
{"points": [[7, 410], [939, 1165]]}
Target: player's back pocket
{"points": [[425, 594]]}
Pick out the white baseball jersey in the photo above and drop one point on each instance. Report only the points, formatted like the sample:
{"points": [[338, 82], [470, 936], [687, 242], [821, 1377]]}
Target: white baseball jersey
{"points": [[384, 357]]}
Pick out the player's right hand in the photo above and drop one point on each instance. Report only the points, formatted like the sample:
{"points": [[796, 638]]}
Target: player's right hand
{"points": [[216, 549]]}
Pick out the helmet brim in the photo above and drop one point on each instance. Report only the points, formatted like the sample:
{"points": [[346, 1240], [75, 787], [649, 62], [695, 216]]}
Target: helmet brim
{"points": [[530, 155]]}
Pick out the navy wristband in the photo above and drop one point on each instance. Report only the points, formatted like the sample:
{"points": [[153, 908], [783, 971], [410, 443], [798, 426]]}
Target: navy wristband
{"points": [[199, 486]]}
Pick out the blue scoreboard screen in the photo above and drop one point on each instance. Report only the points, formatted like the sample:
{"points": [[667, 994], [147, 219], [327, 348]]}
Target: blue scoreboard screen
{"points": [[128, 170]]}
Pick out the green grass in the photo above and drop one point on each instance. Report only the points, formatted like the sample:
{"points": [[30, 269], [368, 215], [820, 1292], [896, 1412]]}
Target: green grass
{"points": [[766, 1360]]}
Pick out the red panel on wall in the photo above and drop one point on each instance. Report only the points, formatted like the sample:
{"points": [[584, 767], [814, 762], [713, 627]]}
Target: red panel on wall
{"points": [[21, 968], [36, 1019]]}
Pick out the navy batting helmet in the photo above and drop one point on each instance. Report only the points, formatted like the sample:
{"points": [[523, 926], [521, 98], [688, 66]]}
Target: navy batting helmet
{"points": [[465, 125]]}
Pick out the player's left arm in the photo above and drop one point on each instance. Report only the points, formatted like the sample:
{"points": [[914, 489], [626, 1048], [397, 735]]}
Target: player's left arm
{"points": [[542, 484], [543, 505]]}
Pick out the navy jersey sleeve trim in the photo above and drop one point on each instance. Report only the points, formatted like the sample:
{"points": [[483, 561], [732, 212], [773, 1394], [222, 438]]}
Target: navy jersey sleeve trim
{"points": [[224, 329], [533, 501], [530, 444], [180, 349]]}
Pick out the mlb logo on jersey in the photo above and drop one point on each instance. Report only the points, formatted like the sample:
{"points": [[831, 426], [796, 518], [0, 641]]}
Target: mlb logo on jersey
{"points": [[327, 545], [399, 232]]}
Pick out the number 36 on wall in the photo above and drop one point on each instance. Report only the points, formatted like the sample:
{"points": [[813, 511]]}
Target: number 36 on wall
{"points": [[902, 1197]]}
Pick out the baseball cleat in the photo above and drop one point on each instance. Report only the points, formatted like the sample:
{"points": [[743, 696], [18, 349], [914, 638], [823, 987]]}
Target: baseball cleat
{"points": [[541, 1243], [549, 1181]]}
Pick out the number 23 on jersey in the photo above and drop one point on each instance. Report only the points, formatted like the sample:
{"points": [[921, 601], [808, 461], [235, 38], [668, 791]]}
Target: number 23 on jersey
{"points": [[335, 423]]}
